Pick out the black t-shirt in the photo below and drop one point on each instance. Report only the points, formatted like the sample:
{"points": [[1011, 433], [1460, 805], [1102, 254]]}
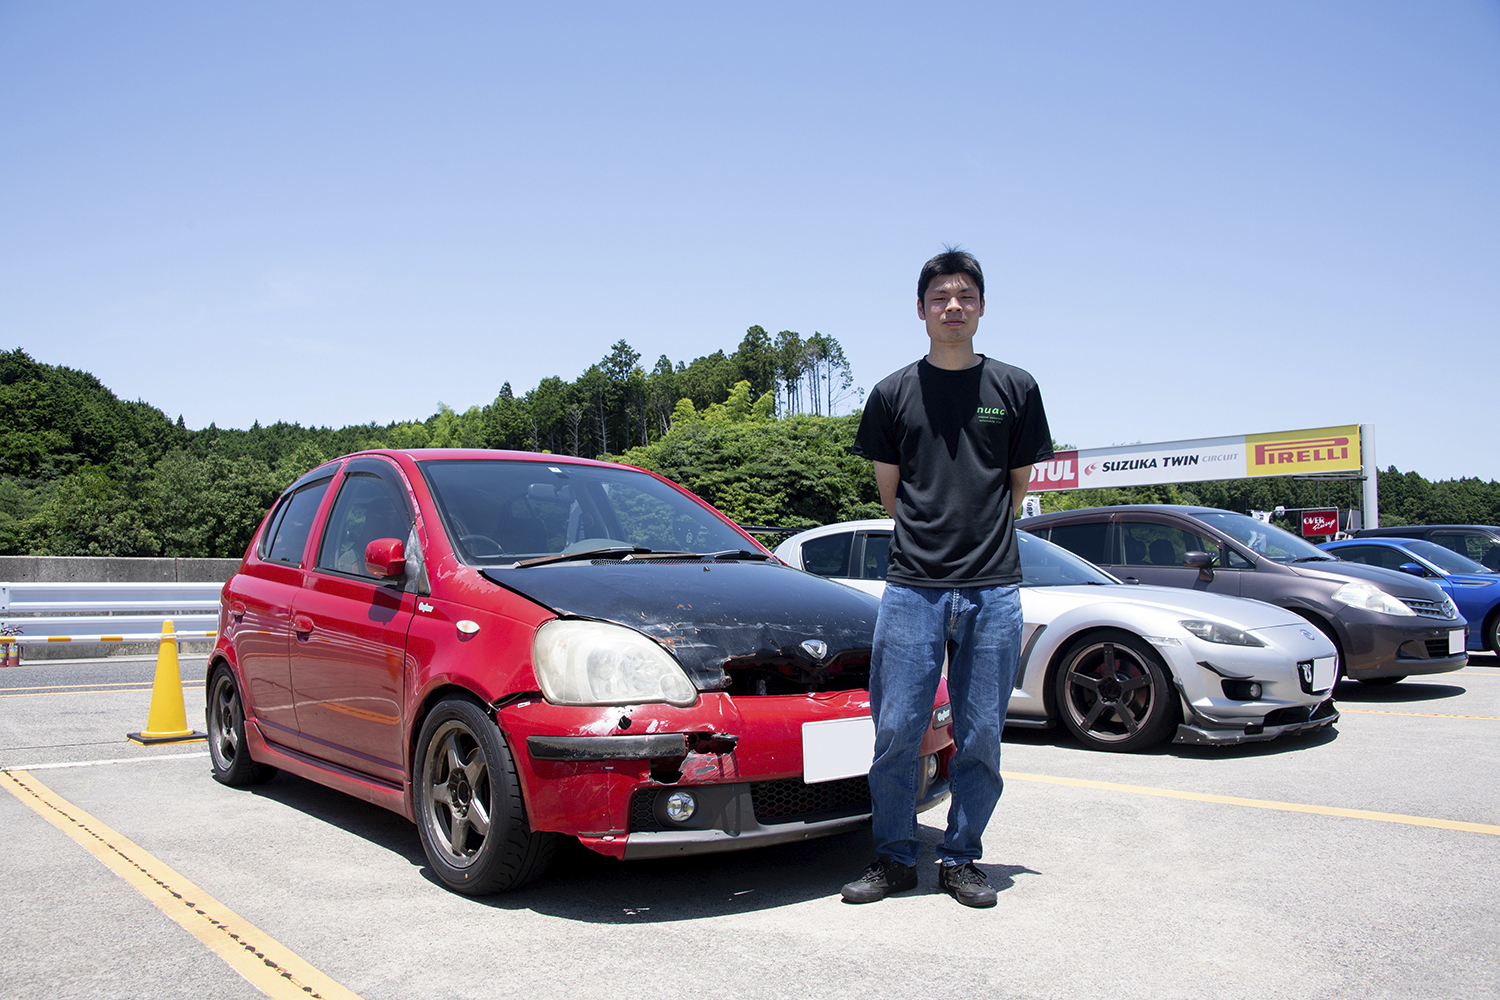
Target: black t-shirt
{"points": [[955, 436]]}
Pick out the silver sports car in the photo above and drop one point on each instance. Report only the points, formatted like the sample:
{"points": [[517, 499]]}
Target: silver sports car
{"points": [[1124, 667]]}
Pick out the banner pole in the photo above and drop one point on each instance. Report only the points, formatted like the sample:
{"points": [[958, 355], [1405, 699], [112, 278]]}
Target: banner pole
{"points": [[1371, 473]]}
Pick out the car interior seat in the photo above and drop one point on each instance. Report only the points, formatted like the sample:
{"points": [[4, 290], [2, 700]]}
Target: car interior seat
{"points": [[1163, 554]]}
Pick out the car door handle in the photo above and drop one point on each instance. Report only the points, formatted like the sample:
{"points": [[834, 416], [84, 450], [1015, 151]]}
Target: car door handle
{"points": [[302, 625]]}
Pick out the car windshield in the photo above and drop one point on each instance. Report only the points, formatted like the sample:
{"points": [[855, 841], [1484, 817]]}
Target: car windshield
{"points": [[1264, 539], [498, 512], [1445, 559], [1044, 564]]}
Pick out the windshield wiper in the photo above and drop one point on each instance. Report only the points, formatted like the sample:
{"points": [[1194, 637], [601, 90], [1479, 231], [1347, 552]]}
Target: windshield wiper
{"points": [[604, 552], [735, 554], [1316, 559]]}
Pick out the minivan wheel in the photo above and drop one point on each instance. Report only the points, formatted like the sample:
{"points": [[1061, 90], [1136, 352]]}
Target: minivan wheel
{"points": [[225, 718], [1113, 693], [470, 815]]}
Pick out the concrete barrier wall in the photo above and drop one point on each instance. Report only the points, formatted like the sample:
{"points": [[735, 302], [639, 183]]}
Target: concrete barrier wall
{"points": [[111, 569]]}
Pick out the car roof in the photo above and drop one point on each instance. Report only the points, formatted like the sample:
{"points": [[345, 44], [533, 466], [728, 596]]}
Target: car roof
{"points": [[1414, 530], [1157, 508]]}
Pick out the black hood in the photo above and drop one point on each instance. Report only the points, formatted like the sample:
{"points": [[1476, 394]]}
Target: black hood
{"points": [[707, 613]]}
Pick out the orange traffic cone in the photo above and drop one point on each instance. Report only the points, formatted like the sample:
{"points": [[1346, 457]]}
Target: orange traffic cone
{"points": [[167, 721]]}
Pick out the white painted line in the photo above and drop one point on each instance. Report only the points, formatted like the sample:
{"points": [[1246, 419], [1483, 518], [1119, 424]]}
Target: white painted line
{"points": [[98, 763]]}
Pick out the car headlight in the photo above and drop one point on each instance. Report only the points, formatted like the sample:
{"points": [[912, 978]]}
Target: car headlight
{"points": [[1371, 598], [596, 663], [1219, 632]]}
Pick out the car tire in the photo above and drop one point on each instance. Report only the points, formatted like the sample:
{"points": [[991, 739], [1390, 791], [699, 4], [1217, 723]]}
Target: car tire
{"points": [[224, 716], [470, 815], [1113, 693], [1492, 632]]}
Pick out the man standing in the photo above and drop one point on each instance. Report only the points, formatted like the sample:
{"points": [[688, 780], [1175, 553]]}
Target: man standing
{"points": [[953, 438]]}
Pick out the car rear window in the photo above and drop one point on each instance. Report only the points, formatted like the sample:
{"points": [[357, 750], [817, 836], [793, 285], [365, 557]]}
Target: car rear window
{"points": [[287, 537]]}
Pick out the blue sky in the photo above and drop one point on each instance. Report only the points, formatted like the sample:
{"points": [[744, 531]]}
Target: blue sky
{"points": [[1196, 218]]}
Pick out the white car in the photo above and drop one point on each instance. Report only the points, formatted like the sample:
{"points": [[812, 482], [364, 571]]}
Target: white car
{"points": [[1122, 666]]}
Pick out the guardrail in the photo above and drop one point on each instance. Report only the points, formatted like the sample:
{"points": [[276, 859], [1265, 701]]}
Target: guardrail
{"points": [[37, 613]]}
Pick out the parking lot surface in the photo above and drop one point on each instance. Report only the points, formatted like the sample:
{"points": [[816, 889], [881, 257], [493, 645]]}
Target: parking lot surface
{"points": [[1364, 862]]}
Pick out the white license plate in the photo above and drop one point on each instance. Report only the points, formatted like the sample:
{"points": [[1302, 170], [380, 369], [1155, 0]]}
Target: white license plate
{"points": [[837, 748], [1324, 672], [1455, 642]]}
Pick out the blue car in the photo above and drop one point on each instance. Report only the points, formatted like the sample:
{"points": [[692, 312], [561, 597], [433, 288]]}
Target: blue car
{"points": [[1475, 588]]}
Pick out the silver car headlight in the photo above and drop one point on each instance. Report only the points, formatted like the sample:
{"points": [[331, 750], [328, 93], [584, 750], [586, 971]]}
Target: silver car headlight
{"points": [[1219, 632], [1371, 598], [596, 663]]}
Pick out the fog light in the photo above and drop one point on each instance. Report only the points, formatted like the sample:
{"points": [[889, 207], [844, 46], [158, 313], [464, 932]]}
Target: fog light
{"points": [[1242, 690], [931, 766], [681, 806]]}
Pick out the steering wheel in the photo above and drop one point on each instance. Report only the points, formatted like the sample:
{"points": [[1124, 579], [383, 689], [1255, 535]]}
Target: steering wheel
{"points": [[481, 546]]}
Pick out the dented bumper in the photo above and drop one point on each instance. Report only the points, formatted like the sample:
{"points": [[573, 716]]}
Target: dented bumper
{"points": [[603, 774]]}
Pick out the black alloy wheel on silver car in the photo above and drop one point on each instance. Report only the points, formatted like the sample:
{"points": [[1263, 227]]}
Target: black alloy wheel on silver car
{"points": [[1113, 693], [225, 718], [470, 815]]}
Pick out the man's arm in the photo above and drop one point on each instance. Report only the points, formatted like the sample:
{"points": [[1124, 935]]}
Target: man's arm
{"points": [[1020, 482], [888, 477]]}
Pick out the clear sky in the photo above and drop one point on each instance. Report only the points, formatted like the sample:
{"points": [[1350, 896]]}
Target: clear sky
{"points": [[1196, 218]]}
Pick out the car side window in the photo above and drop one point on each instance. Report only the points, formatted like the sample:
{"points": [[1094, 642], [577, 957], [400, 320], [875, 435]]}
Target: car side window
{"points": [[876, 558], [369, 506], [829, 555], [1152, 544], [1084, 540], [1478, 548], [287, 536], [1373, 555]]}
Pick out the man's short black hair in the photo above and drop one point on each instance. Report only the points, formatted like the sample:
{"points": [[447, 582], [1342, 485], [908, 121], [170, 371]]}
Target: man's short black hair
{"points": [[951, 261]]}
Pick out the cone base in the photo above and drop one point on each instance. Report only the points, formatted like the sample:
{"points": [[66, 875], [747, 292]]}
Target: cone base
{"points": [[146, 739]]}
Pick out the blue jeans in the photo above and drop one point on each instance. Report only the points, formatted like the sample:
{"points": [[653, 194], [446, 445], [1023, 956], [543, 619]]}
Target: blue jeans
{"points": [[980, 627]]}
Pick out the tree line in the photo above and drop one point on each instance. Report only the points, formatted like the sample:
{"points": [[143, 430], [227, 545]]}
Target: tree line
{"points": [[752, 431]]}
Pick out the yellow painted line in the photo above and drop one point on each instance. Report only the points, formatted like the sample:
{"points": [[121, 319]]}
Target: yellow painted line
{"points": [[269, 965], [1423, 715], [1231, 800], [100, 685], [131, 690]]}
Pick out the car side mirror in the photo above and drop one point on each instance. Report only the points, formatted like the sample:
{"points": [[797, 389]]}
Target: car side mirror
{"points": [[1204, 564], [385, 558], [1415, 569]]}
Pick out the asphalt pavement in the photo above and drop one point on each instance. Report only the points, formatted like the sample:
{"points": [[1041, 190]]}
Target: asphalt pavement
{"points": [[1358, 863]]}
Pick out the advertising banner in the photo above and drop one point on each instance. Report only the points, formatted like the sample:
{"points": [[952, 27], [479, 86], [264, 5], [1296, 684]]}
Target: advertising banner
{"points": [[1284, 453], [1320, 522]]}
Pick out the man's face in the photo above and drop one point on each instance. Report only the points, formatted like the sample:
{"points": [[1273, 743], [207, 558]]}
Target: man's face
{"points": [[951, 309]]}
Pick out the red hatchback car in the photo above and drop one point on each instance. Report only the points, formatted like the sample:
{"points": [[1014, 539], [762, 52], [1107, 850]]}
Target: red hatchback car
{"points": [[506, 647]]}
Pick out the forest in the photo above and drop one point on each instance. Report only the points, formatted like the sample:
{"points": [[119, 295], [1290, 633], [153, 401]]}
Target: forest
{"points": [[752, 431]]}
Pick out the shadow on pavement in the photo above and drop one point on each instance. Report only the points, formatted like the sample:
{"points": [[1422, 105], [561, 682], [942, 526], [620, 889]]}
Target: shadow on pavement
{"points": [[591, 888], [1060, 738], [1405, 691], [584, 886], [378, 826]]}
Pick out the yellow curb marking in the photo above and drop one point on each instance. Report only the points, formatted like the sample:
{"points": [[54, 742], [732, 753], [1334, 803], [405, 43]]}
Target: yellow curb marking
{"points": [[269, 966], [1422, 715], [1231, 800]]}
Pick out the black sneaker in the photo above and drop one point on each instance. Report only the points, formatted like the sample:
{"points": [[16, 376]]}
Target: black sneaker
{"points": [[882, 878], [967, 884]]}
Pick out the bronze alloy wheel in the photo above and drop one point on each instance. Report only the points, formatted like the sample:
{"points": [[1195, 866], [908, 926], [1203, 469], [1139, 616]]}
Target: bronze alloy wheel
{"points": [[1113, 693], [469, 810]]}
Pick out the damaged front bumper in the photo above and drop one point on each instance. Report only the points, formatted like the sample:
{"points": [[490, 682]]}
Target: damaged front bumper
{"points": [[733, 763]]}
